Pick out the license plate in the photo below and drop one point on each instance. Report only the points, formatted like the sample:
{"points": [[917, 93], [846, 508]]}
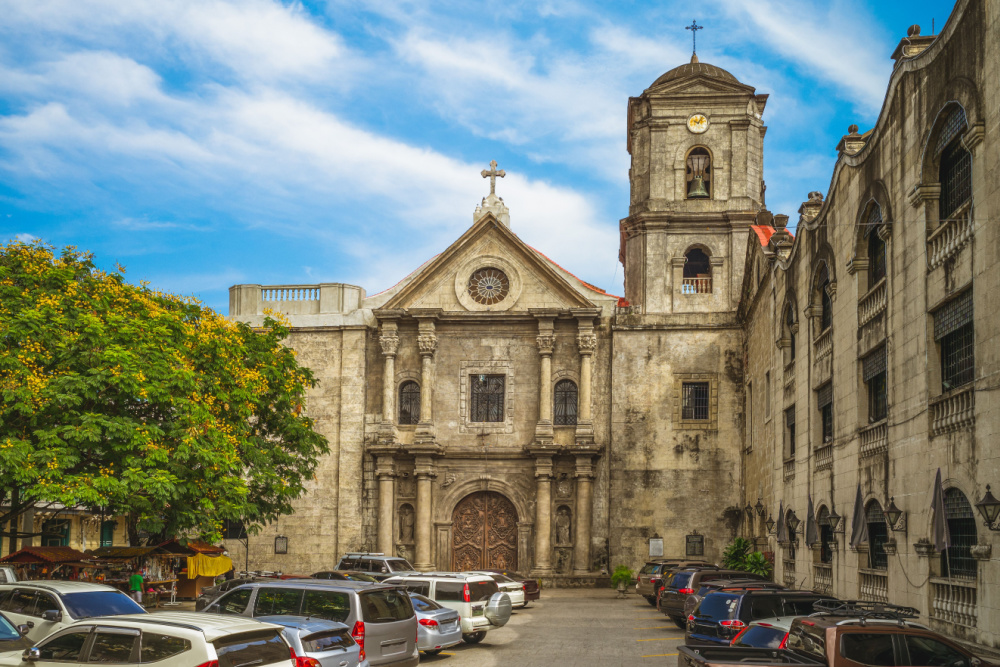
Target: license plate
{"points": [[477, 612]]}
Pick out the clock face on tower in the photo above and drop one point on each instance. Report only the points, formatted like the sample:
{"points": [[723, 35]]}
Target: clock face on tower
{"points": [[698, 123]]}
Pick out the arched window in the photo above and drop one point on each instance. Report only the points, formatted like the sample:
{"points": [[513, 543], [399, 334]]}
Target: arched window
{"points": [[825, 535], [790, 332], [409, 403], [565, 403], [699, 174], [955, 170], [876, 246], [957, 560], [697, 278], [825, 302], [878, 535]]}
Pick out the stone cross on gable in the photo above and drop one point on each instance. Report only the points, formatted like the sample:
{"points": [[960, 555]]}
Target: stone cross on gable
{"points": [[492, 174]]}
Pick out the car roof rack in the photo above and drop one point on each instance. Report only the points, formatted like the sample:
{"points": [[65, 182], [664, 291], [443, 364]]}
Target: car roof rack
{"points": [[359, 554], [864, 610]]}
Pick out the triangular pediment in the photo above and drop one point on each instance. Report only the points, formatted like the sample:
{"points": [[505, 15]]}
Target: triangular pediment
{"points": [[700, 84], [532, 282]]}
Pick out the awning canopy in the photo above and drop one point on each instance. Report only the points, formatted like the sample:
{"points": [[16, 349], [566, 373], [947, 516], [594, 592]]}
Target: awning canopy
{"points": [[46, 555]]}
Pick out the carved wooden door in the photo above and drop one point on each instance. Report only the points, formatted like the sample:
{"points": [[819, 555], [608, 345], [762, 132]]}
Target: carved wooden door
{"points": [[484, 533]]}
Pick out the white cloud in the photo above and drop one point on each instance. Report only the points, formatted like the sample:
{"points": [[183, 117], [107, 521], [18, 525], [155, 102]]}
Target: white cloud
{"points": [[25, 238]]}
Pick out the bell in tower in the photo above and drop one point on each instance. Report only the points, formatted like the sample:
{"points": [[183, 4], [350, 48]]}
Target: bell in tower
{"points": [[698, 165]]}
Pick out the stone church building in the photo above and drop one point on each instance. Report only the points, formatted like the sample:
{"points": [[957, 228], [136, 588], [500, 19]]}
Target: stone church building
{"points": [[493, 410]]}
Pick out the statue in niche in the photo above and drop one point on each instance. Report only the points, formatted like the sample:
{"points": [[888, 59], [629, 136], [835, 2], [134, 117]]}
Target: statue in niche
{"points": [[563, 526], [406, 521]]}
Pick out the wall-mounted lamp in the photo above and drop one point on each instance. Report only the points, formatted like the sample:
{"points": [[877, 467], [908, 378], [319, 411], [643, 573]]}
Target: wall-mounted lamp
{"points": [[793, 522], [895, 517], [749, 510], [989, 508], [759, 507], [833, 519], [770, 525]]}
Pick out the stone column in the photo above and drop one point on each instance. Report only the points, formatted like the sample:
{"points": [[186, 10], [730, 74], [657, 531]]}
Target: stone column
{"points": [[389, 341], [425, 474], [584, 504], [546, 341], [587, 344], [386, 501], [543, 515], [427, 343]]}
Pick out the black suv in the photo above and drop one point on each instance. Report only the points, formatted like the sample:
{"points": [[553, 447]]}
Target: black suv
{"points": [[722, 614], [725, 584], [686, 582], [649, 581]]}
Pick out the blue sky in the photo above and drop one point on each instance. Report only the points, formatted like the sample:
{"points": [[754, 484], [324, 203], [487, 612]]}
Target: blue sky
{"points": [[204, 143]]}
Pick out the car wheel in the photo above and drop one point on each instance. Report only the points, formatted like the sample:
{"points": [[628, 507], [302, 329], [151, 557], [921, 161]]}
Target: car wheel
{"points": [[651, 601], [474, 638], [679, 622], [524, 606], [432, 652]]}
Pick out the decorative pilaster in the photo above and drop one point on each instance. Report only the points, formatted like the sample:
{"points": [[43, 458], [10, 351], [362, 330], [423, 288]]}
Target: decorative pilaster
{"points": [[389, 340], [546, 341], [584, 504], [386, 474], [425, 474], [543, 515], [586, 343], [427, 344]]}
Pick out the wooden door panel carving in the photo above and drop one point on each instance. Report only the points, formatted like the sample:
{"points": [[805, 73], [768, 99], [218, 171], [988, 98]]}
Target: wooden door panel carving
{"points": [[484, 532]]}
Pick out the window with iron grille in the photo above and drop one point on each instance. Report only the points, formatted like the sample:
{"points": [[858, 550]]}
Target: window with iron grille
{"points": [[874, 375], [565, 403], [957, 560], [767, 395], [824, 401], [825, 536], [957, 358], [826, 303], [878, 535], [487, 398], [694, 400], [955, 172], [876, 247], [790, 430], [409, 403], [789, 322]]}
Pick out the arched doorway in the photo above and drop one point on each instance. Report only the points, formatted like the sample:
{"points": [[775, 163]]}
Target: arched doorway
{"points": [[484, 533]]}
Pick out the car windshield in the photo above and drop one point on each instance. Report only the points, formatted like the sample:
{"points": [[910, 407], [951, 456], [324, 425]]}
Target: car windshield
{"points": [[718, 606], [359, 576], [385, 606], [649, 568], [100, 603], [501, 579], [681, 580], [421, 603], [399, 565], [7, 631], [760, 636], [482, 590]]}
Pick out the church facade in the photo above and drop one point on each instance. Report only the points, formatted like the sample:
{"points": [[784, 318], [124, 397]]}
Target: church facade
{"points": [[493, 410]]}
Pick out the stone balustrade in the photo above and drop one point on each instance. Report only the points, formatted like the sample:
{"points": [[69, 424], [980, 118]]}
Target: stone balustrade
{"points": [[788, 573], [874, 586], [824, 457], [245, 300], [954, 601], [289, 293], [872, 303], [874, 439], [789, 469], [950, 237], [823, 578], [823, 357], [696, 286], [953, 411]]}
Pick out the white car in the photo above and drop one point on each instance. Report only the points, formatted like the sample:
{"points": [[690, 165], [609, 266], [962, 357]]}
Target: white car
{"points": [[166, 639], [514, 589], [48, 606], [476, 597]]}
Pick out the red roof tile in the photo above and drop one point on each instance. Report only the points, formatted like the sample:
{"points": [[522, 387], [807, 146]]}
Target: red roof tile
{"points": [[45, 555], [765, 232]]}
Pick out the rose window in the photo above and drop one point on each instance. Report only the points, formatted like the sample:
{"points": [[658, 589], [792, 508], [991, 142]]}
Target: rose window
{"points": [[489, 286]]}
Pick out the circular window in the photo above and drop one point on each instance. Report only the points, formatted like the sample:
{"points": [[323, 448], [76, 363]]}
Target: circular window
{"points": [[488, 286]]}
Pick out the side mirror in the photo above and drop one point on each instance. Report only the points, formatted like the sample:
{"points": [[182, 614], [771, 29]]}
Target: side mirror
{"points": [[32, 654], [23, 629], [52, 615]]}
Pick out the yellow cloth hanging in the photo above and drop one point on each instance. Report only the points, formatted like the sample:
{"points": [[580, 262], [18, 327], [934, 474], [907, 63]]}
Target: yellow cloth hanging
{"points": [[207, 566]]}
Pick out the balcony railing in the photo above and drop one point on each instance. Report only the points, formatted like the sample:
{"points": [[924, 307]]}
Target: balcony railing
{"points": [[874, 586], [954, 601], [874, 439], [954, 411], [823, 578], [948, 239], [789, 469], [788, 573], [824, 457], [290, 293], [696, 286], [823, 344], [872, 303]]}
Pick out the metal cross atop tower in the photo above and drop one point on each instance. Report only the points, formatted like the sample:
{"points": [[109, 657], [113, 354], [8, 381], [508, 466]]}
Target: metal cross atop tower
{"points": [[694, 28], [492, 175]]}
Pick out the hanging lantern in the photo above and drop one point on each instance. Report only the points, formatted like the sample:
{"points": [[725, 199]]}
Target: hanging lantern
{"points": [[759, 507], [989, 508], [770, 525], [793, 522], [892, 513]]}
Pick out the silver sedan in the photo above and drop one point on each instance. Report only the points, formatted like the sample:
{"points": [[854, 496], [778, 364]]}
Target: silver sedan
{"points": [[437, 627]]}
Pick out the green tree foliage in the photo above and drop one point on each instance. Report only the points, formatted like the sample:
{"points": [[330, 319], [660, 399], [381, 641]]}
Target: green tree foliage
{"points": [[142, 403], [739, 556]]}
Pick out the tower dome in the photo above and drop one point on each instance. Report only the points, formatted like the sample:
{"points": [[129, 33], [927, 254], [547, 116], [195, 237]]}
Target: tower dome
{"points": [[695, 68]]}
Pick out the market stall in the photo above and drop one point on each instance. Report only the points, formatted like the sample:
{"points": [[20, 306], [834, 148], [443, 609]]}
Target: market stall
{"points": [[50, 563], [159, 571], [200, 564]]}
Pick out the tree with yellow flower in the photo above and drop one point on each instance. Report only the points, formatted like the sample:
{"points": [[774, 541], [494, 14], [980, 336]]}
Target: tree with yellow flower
{"points": [[140, 403]]}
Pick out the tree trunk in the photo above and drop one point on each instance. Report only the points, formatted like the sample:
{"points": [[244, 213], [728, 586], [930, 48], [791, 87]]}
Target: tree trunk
{"points": [[15, 498]]}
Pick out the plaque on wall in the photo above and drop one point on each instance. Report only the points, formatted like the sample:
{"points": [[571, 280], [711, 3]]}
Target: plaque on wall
{"points": [[655, 547], [695, 545]]}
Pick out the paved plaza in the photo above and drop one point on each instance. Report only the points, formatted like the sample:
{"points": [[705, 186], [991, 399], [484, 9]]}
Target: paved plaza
{"points": [[574, 627]]}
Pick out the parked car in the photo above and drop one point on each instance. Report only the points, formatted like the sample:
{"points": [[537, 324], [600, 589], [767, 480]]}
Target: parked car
{"points": [[514, 589], [476, 597], [845, 634], [48, 606], [318, 642], [691, 602], [381, 617], [377, 565], [12, 637], [532, 587], [211, 593], [768, 633], [170, 638], [722, 614], [437, 626], [343, 575], [651, 576], [686, 582], [7, 574]]}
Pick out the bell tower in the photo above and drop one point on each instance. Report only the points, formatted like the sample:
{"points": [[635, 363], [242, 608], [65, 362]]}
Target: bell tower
{"points": [[696, 141]]}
